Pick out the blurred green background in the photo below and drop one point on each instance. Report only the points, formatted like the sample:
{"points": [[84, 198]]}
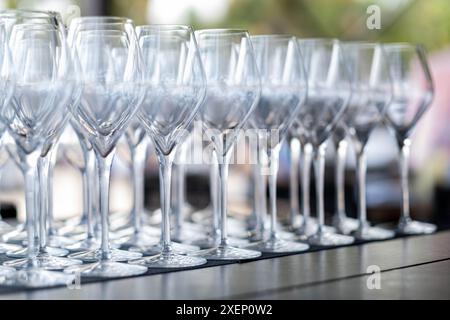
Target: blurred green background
{"points": [[425, 21]]}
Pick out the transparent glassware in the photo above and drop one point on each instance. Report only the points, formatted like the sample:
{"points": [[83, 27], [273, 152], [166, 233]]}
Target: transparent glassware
{"points": [[175, 89], [341, 222], [109, 65], [372, 92], [329, 90], [135, 231], [85, 225], [233, 92], [44, 74], [284, 88], [413, 94]]}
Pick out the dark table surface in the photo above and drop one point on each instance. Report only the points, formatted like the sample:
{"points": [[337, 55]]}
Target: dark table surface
{"points": [[411, 268]]}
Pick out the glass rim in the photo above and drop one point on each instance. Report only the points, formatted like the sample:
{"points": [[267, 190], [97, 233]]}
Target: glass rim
{"points": [[280, 36], [164, 26], [318, 40], [222, 31], [102, 19], [403, 45]]}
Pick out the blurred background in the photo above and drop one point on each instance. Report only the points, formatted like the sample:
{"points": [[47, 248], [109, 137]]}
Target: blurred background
{"points": [[419, 21]]}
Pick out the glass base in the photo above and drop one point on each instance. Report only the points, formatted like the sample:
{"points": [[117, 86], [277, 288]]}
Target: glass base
{"points": [[324, 238], [42, 261], [309, 228], [140, 239], [208, 242], [37, 278], [169, 260], [366, 232], [116, 255], [276, 245], [411, 227], [106, 269], [60, 241], [8, 247], [345, 225], [23, 253], [5, 227], [227, 253], [130, 230], [177, 248], [6, 272], [16, 236], [87, 244]]}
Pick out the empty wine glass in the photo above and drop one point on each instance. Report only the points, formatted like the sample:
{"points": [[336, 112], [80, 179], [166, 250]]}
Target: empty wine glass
{"points": [[343, 224], [175, 89], [6, 91], [413, 93], [329, 91], [233, 92], [45, 76], [284, 87], [372, 92], [109, 62]]}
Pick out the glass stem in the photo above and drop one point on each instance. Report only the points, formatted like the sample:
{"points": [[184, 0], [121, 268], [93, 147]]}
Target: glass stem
{"points": [[214, 193], [42, 206], [138, 158], [361, 168], [294, 153], [223, 161], [104, 175], [180, 193], [306, 180], [89, 178], [341, 156], [404, 167], [273, 156], [165, 176], [319, 171], [30, 172]]}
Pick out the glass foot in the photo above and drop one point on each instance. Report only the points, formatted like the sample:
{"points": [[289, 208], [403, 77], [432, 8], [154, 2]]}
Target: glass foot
{"points": [[106, 269], [227, 253], [345, 225], [60, 241], [169, 260], [23, 253], [116, 255], [208, 242], [410, 227], [324, 238], [8, 247], [130, 230], [87, 244], [42, 261], [178, 248], [366, 232], [17, 236], [37, 278], [140, 239], [309, 228], [6, 272], [5, 227], [276, 245]]}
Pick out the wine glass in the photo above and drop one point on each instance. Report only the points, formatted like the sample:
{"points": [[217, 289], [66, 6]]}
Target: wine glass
{"points": [[372, 92], [343, 224], [6, 91], [413, 92], [233, 92], [45, 76], [284, 87], [329, 91], [110, 70], [175, 89]]}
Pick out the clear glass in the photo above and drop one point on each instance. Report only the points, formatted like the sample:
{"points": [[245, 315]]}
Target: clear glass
{"points": [[413, 94], [372, 92], [343, 224], [109, 63], [233, 92], [44, 73], [175, 84], [329, 90], [284, 87]]}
